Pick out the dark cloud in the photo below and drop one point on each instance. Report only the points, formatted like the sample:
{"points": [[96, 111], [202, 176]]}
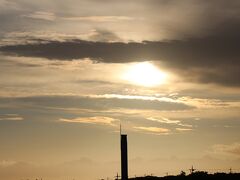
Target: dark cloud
{"points": [[209, 59], [208, 51]]}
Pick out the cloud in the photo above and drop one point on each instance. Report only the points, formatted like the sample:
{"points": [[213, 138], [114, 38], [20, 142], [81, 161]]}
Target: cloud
{"points": [[183, 129], [99, 103], [6, 163], [164, 120], [168, 121], [99, 18], [208, 102], [202, 18], [211, 59], [103, 36], [11, 117], [155, 130], [139, 20], [41, 15], [7, 4], [91, 120], [233, 149], [50, 16]]}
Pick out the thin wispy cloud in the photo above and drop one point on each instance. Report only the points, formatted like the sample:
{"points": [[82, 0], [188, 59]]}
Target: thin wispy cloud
{"points": [[6, 163], [165, 120], [99, 18], [183, 129], [98, 103], [231, 149], [124, 96], [11, 117], [41, 15], [156, 130], [91, 120]]}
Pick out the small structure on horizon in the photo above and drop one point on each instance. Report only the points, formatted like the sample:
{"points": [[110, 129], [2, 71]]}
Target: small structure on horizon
{"points": [[117, 177], [192, 170]]}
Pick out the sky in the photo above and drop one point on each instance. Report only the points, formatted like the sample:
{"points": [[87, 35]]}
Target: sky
{"points": [[72, 71]]}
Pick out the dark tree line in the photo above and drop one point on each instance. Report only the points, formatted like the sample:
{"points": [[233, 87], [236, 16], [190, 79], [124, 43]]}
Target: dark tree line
{"points": [[199, 175]]}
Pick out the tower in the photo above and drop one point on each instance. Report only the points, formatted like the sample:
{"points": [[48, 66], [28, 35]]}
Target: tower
{"points": [[124, 156]]}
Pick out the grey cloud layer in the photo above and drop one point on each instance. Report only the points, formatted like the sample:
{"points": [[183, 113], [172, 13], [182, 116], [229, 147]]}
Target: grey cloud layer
{"points": [[160, 19]]}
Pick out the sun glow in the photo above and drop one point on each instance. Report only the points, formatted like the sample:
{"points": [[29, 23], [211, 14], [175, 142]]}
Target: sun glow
{"points": [[145, 74]]}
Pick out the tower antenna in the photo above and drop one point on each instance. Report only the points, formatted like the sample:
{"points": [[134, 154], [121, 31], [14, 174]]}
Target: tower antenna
{"points": [[120, 129], [192, 170]]}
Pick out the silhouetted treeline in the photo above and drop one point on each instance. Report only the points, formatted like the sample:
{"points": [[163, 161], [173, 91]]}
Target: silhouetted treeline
{"points": [[196, 175]]}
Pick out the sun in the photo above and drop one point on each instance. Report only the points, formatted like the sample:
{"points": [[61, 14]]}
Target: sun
{"points": [[145, 74]]}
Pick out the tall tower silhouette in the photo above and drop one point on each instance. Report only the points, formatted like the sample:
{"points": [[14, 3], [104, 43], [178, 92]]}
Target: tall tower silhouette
{"points": [[124, 156]]}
